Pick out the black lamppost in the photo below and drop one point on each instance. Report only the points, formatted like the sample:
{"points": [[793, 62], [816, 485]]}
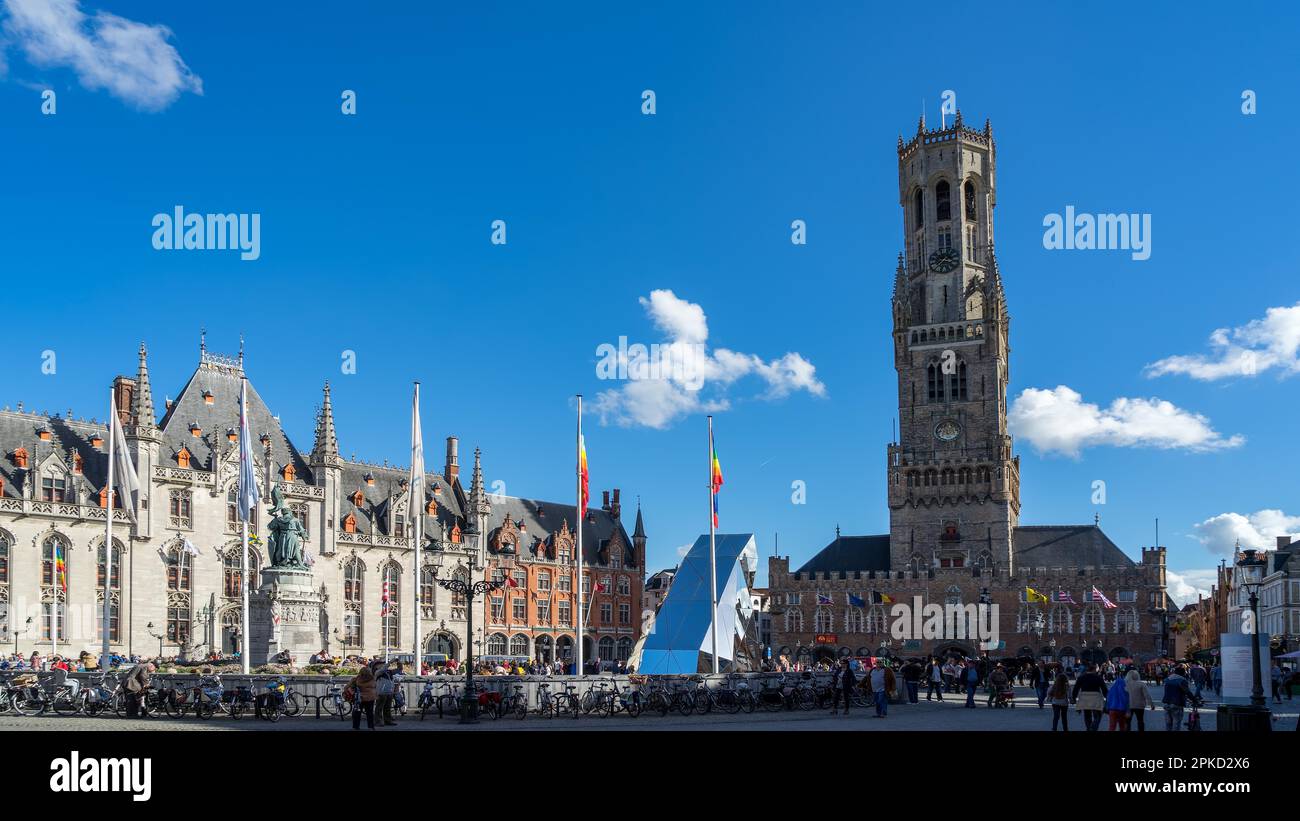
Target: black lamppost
{"points": [[26, 626], [470, 590], [158, 636], [1255, 717]]}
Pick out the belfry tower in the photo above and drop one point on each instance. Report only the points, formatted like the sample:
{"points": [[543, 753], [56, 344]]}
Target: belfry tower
{"points": [[954, 485]]}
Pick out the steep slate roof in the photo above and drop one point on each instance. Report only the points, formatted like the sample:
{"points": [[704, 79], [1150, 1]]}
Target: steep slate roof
{"points": [[850, 553], [1066, 546], [221, 377], [19, 430], [371, 517], [1034, 545], [541, 519]]}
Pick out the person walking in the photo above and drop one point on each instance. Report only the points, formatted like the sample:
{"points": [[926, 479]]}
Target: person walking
{"points": [[362, 686], [1059, 693], [999, 682], [1275, 676], [882, 687], [843, 681], [1117, 706], [1216, 677], [1197, 675], [912, 680], [971, 678], [1089, 697], [1177, 694], [1041, 680], [934, 680], [1139, 700]]}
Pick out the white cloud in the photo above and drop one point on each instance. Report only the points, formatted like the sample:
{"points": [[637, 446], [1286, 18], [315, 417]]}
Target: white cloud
{"points": [[700, 385], [1185, 585], [1257, 346], [133, 61], [1058, 420], [1259, 530]]}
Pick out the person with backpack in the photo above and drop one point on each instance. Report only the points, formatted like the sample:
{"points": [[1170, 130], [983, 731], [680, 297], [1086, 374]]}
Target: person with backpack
{"points": [[361, 692], [1117, 708], [384, 689]]}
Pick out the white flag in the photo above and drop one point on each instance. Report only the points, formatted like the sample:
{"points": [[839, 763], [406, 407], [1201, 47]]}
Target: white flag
{"points": [[126, 483], [415, 507], [189, 547], [246, 492]]}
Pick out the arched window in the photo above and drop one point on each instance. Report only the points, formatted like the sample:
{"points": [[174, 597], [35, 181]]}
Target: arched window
{"points": [[957, 380], [942, 204], [428, 585], [917, 563], [353, 580], [969, 189], [181, 509], [5, 546], [876, 620], [1061, 620], [854, 620], [496, 645], [178, 569], [934, 382], [952, 595], [984, 560], [624, 586], [605, 649], [392, 627], [823, 620], [519, 645], [99, 574], [1028, 618], [918, 210], [793, 621], [53, 551], [1126, 620], [232, 575], [232, 513], [352, 628], [1093, 620], [624, 649]]}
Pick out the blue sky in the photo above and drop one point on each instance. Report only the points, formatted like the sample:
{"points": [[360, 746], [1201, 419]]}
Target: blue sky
{"points": [[375, 238]]}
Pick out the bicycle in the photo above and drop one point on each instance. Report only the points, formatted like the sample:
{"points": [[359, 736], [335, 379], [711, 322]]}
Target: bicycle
{"points": [[333, 703], [235, 703], [516, 703]]}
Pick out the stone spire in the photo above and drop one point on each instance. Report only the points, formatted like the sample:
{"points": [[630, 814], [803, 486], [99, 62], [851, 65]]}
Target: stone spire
{"points": [[142, 414], [326, 447], [478, 499], [639, 531]]}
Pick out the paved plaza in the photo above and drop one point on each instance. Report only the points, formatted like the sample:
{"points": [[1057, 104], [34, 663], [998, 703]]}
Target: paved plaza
{"points": [[949, 715]]}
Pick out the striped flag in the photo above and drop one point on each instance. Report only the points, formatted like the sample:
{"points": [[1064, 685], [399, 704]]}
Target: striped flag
{"points": [[60, 566], [881, 598], [1097, 595], [582, 474], [822, 598], [1063, 597], [715, 475], [246, 490], [383, 608]]}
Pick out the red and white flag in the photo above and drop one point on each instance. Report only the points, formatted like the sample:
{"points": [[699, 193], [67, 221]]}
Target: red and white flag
{"points": [[383, 610], [1097, 595]]}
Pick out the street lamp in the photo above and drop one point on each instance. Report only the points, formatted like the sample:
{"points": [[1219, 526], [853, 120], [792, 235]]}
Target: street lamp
{"points": [[26, 626], [1254, 717], [470, 590], [158, 636]]}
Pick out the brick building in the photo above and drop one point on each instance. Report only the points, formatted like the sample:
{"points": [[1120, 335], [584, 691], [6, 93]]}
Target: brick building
{"points": [[953, 478]]}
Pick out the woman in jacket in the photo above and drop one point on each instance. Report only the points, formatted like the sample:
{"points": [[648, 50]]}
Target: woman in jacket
{"points": [[363, 694], [1139, 700], [1117, 706], [1059, 693], [1090, 697]]}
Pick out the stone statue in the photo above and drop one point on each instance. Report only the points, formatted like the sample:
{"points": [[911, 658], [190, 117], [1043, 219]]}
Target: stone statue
{"points": [[287, 534]]}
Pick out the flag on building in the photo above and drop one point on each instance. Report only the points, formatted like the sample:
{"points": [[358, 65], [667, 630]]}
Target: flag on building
{"points": [[822, 598], [189, 547], [881, 598], [127, 483], [1063, 597], [1097, 595], [246, 490], [855, 601], [510, 580], [582, 476], [715, 476], [383, 608], [60, 566], [1032, 595]]}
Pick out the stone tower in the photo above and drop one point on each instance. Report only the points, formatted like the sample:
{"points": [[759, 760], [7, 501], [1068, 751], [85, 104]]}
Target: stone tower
{"points": [[327, 472], [954, 485]]}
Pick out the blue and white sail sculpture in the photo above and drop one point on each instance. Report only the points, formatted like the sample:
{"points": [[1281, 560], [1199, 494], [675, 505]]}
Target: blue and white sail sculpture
{"points": [[679, 640]]}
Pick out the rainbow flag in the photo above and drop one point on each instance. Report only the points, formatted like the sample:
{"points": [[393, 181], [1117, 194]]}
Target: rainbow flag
{"points": [[60, 567], [715, 477], [582, 477]]}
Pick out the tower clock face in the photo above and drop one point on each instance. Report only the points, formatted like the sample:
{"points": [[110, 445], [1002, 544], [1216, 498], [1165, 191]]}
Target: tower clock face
{"points": [[947, 430], [944, 260]]}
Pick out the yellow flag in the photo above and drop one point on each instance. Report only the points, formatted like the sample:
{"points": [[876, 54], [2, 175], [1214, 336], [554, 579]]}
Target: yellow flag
{"points": [[1032, 595]]}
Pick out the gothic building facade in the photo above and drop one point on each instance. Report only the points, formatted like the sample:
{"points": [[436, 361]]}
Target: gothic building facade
{"points": [[176, 578], [953, 478]]}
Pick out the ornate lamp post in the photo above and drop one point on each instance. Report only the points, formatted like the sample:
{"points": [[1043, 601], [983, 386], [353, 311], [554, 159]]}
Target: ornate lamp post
{"points": [[158, 636], [470, 590], [26, 626], [1254, 717]]}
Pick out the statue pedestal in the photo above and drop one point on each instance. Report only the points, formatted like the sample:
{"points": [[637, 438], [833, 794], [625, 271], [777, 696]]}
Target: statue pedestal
{"points": [[290, 594]]}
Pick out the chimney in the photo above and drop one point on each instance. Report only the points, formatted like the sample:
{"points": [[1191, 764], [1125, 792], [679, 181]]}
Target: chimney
{"points": [[1283, 542], [452, 469], [605, 504], [616, 509]]}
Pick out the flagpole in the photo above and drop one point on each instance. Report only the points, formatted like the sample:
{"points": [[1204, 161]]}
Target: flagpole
{"points": [[416, 516], [582, 626], [243, 539], [108, 530], [713, 558]]}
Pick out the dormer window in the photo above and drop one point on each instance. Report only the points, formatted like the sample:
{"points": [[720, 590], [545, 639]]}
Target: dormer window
{"points": [[232, 435], [437, 490], [455, 534], [207, 397], [195, 430], [96, 440], [403, 483], [77, 463], [266, 439], [349, 523], [432, 507], [183, 458], [53, 488], [358, 498], [20, 458], [44, 434], [288, 473]]}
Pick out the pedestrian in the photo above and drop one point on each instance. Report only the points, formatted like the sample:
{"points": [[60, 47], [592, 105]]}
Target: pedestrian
{"points": [[1275, 676], [362, 694], [882, 687], [843, 681], [1139, 700], [1216, 676], [1198, 677], [1059, 693], [1176, 696], [135, 684], [912, 680], [1117, 706], [383, 694], [1042, 680], [1089, 697], [999, 682], [934, 680], [971, 679]]}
